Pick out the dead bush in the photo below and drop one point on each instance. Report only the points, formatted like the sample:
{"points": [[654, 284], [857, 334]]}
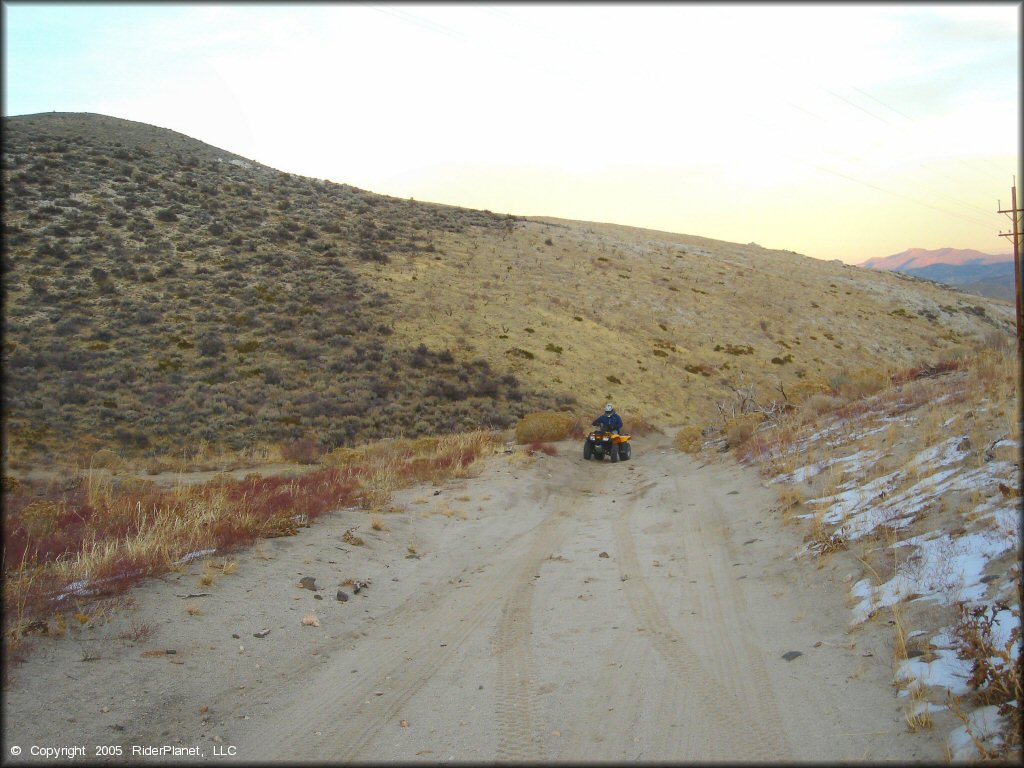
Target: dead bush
{"points": [[806, 388], [106, 459], [863, 383], [640, 426], [995, 674], [544, 427], [819, 404], [739, 429], [689, 439], [303, 451]]}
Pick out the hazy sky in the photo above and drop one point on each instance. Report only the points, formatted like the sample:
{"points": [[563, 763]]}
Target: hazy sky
{"points": [[837, 131]]}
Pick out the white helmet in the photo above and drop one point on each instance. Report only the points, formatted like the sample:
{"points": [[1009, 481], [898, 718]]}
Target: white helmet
{"points": [[608, 408]]}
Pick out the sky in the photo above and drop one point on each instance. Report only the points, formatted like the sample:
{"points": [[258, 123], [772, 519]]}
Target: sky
{"points": [[839, 131]]}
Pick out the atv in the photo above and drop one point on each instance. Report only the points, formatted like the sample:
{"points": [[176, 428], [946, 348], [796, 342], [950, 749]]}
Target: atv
{"points": [[600, 443]]}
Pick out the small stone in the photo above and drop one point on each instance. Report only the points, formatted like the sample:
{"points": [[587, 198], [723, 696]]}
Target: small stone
{"points": [[308, 582], [318, 597], [236, 636], [261, 633], [342, 597], [790, 655], [604, 554]]}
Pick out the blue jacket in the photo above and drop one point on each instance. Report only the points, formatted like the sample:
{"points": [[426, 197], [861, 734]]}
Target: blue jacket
{"points": [[609, 422]]}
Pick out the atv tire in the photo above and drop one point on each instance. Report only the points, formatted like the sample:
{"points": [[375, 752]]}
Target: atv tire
{"points": [[624, 451], [588, 450], [613, 453]]}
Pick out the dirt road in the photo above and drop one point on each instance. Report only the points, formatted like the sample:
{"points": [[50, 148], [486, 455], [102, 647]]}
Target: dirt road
{"points": [[560, 610]]}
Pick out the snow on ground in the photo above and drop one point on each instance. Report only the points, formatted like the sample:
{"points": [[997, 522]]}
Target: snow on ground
{"points": [[942, 566]]}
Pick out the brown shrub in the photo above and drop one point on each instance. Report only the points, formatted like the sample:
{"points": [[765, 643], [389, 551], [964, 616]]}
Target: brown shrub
{"points": [[305, 450], [819, 404], [106, 459], [688, 439], [640, 426], [543, 427], [739, 429], [806, 388], [863, 383]]}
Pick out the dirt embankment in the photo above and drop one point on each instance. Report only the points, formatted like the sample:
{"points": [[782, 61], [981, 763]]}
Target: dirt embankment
{"points": [[558, 610]]}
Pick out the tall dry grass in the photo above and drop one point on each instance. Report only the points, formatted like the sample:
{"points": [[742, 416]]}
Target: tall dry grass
{"points": [[106, 534], [545, 427]]}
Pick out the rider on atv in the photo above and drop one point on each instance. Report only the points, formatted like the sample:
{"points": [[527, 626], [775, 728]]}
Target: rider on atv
{"points": [[609, 421]]}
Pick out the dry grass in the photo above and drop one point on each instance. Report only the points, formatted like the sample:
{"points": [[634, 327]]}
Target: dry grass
{"points": [[544, 427], [821, 542], [689, 439], [104, 536], [739, 429], [917, 715]]}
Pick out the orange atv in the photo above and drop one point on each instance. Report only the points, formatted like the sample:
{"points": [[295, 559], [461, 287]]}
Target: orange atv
{"points": [[599, 443]]}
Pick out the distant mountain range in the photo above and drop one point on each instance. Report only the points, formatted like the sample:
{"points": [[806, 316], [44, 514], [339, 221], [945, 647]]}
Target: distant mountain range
{"points": [[974, 271]]}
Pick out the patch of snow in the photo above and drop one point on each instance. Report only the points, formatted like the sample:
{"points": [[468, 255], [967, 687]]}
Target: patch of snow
{"points": [[986, 724], [947, 670], [940, 455], [943, 569]]}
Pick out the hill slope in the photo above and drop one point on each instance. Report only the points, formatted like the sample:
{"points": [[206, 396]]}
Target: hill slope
{"points": [[160, 292]]}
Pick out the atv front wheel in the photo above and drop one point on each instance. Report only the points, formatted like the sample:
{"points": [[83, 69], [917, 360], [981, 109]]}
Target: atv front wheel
{"points": [[614, 452], [588, 450], [624, 451]]}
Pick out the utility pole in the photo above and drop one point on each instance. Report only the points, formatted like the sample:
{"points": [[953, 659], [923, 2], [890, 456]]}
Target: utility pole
{"points": [[1014, 214]]}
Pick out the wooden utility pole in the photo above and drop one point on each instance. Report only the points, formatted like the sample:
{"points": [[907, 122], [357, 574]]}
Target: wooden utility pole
{"points": [[1014, 214]]}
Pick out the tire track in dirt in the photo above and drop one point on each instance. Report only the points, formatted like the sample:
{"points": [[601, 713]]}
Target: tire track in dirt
{"points": [[517, 697], [748, 732], [338, 716], [725, 610], [516, 704]]}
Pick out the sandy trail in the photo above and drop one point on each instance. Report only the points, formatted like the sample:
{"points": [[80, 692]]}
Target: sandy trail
{"points": [[561, 611]]}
